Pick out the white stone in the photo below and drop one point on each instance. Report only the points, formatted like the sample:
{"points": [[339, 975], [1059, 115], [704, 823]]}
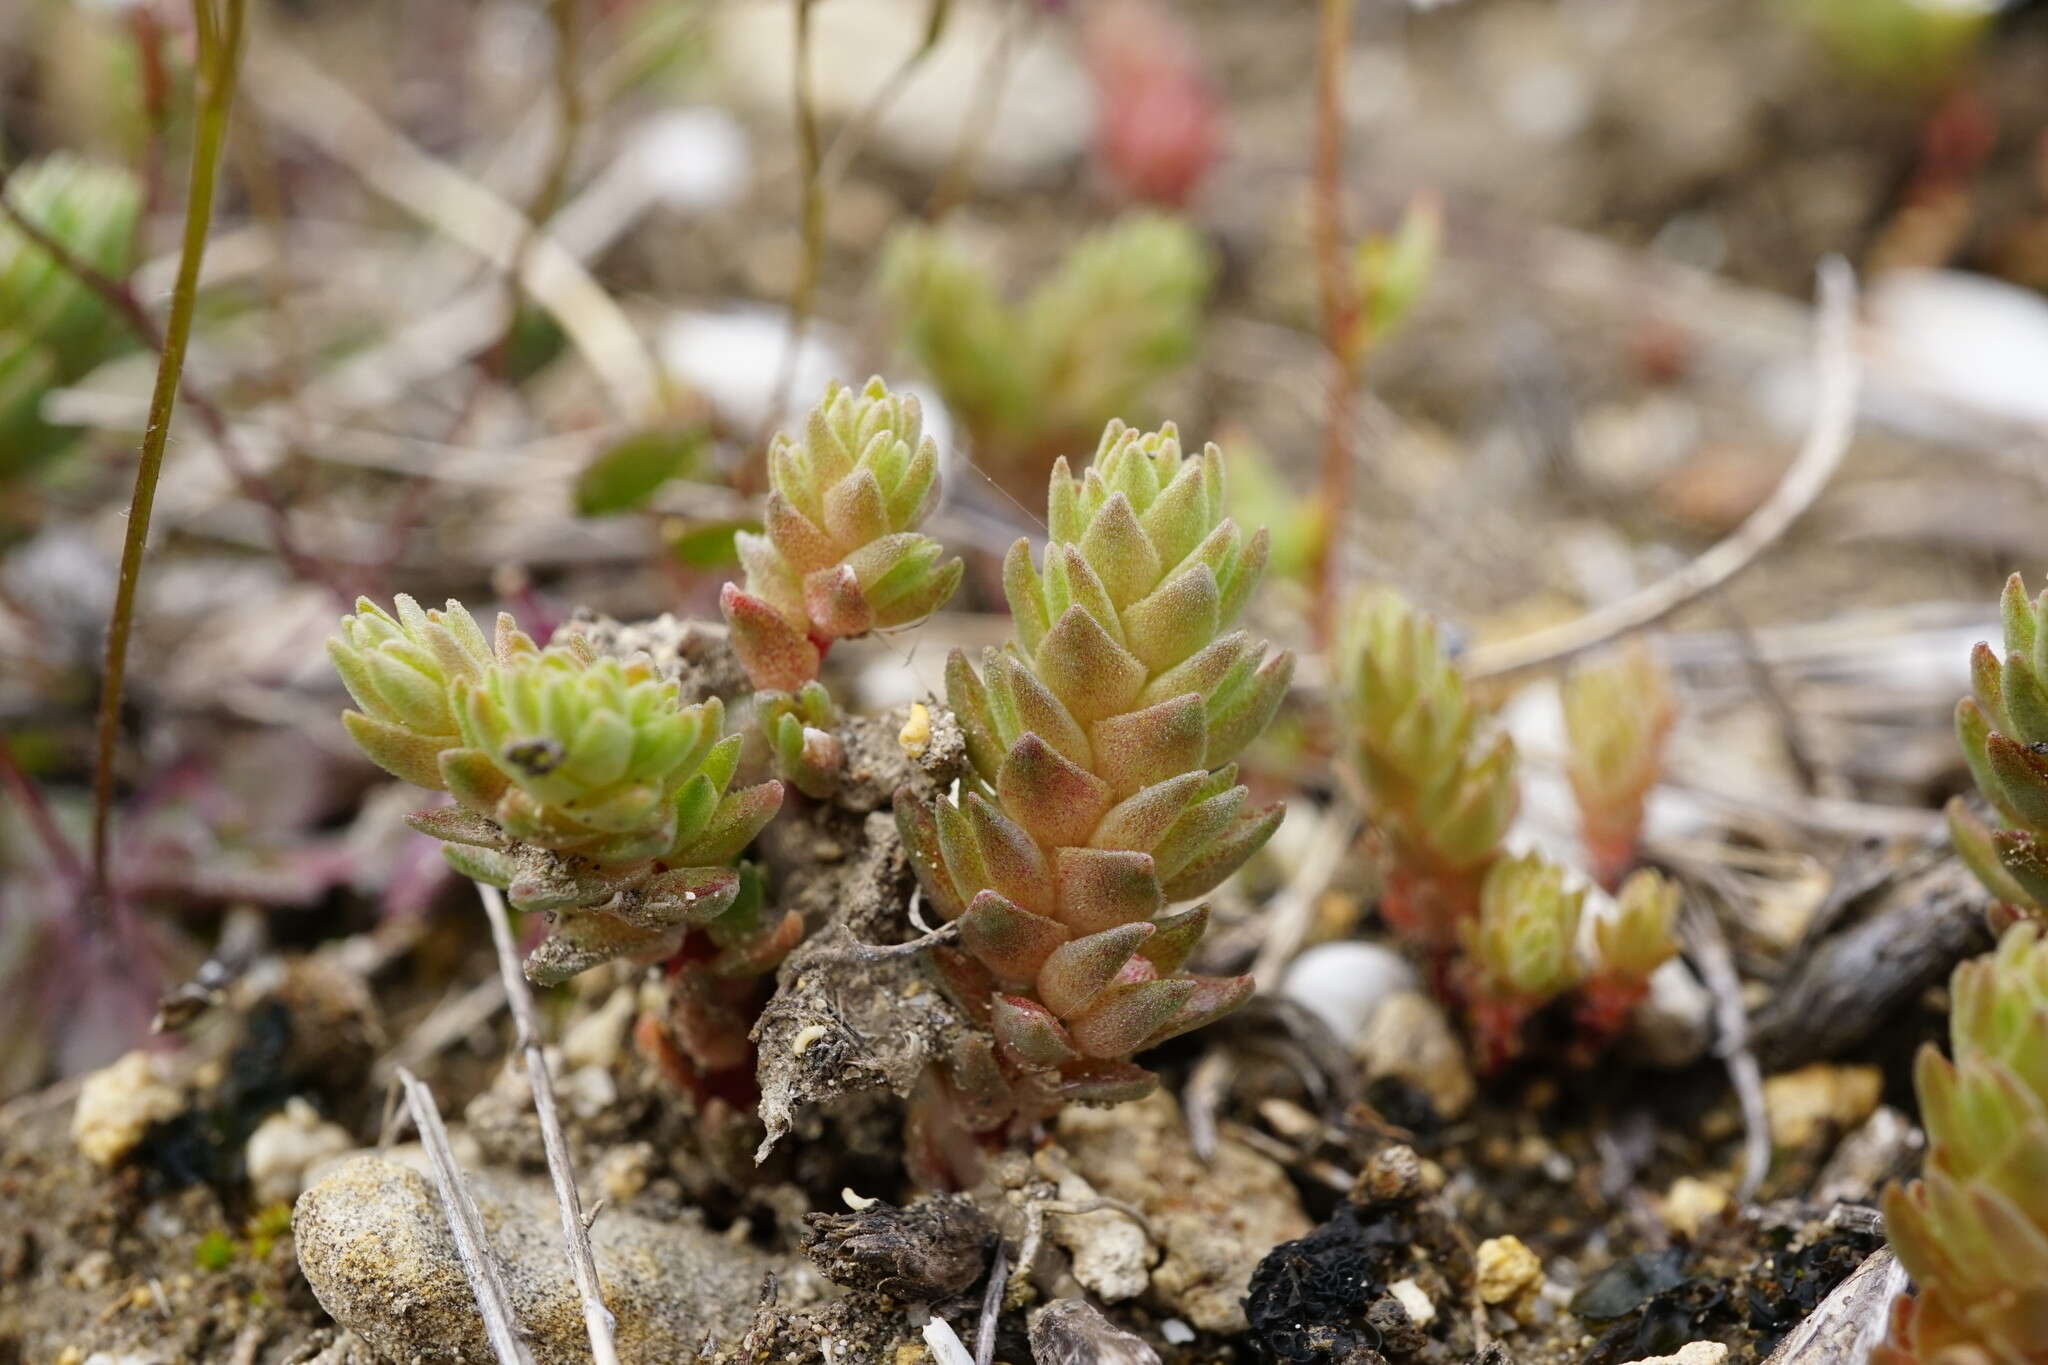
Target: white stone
{"points": [[693, 159], [596, 1038], [1112, 1256], [286, 1146], [1042, 122], [1962, 338], [117, 1104], [1692, 1353], [733, 357], [1344, 983], [1421, 1309]]}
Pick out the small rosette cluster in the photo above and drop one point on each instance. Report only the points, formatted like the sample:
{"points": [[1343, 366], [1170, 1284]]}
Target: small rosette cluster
{"points": [[1617, 715], [1102, 790], [1629, 945], [1521, 950], [1028, 378], [1973, 1230], [1440, 791], [401, 667], [839, 554], [799, 729], [584, 786], [2003, 727]]}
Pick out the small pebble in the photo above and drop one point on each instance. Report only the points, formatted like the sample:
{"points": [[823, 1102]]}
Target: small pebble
{"points": [[117, 1105], [1814, 1101], [1506, 1269], [1692, 1353], [598, 1037], [1691, 1202], [1409, 1037], [1421, 1309], [916, 734], [286, 1146]]}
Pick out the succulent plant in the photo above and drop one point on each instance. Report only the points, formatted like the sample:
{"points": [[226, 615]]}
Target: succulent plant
{"points": [[584, 786], [1521, 950], [1973, 1230], [1102, 789], [2003, 727], [798, 726], [1390, 271], [1617, 715], [1439, 791], [1634, 941], [1040, 376], [400, 669], [54, 328], [840, 554]]}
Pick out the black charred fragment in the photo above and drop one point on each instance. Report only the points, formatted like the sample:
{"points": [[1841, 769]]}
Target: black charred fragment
{"points": [[921, 1254], [1324, 1297]]}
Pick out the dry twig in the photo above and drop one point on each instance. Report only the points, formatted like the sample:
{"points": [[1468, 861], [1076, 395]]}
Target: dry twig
{"points": [[1836, 372], [1289, 914], [1708, 947], [326, 113], [466, 1225], [597, 1319]]}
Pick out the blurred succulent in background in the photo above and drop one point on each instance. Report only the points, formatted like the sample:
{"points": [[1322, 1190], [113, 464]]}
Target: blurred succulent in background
{"points": [[583, 786], [1640, 936], [53, 328], [1973, 1230], [1439, 792], [1033, 379], [1158, 122], [1102, 788], [1521, 950], [1617, 714], [2003, 727], [1914, 44], [1390, 271], [840, 554]]}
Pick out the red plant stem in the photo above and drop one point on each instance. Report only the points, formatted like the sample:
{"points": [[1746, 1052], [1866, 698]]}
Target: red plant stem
{"points": [[24, 790], [156, 101], [1339, 304]]}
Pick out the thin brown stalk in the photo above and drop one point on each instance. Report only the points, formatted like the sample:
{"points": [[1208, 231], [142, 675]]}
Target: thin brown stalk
{"points": [[811, 219], [1339, 303], [219, 33], [570, 112], [958, 177]]}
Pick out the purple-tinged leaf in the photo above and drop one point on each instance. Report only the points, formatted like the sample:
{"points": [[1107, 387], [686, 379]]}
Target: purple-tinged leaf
{"points": [[1103, 888], [1009, 940], [1078, 971], [1123, 1017]]}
